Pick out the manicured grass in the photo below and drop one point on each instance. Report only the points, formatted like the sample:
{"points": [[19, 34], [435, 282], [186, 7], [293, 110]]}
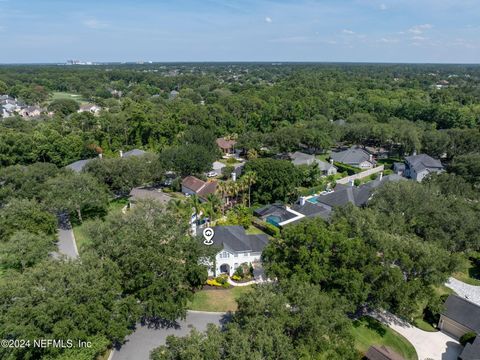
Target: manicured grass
{"points": [[252, 230], [469, 273], [57, 95], [368, 331], [218, 300], [81, 237]]}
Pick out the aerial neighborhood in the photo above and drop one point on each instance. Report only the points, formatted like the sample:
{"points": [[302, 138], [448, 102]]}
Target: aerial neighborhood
{"points": [[240, 211]]}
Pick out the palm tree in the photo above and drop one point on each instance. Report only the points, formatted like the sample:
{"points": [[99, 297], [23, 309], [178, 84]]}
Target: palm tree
{"points": [[222, 190], [252, 154], [195, 204], [212, 206], [250, 179]]}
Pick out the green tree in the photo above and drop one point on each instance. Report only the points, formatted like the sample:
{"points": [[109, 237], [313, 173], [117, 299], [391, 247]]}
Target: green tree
{"points": [[63, 106], [76, 193], [276, 180]]}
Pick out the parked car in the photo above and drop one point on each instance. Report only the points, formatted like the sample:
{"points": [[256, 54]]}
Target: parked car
{"points": [[212, 174]]}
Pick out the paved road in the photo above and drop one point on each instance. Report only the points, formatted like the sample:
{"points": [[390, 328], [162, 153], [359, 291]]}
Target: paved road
{"points": [[469, 292], [139, 344], [429, 345], [66, 239]]}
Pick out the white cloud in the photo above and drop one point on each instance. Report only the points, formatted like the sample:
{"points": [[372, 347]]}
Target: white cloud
{"points": [[388, 40], [93, 23], [268, 19], [383, 7], [419, 29], [347, 31], [419, 38]]}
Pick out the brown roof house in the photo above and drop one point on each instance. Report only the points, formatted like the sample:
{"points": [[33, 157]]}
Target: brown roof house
{"points": [[382, 353], [194, 186], [227, 146]]}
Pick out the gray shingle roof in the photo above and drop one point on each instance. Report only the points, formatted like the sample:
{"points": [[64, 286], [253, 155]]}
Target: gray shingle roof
{"points": [[463, 311], [312, 210], [134, 152], [149, 193], [235, 238], [352, 156], [78, 166], [299, 158], [358, 196], [471, 351], [423, 161]]}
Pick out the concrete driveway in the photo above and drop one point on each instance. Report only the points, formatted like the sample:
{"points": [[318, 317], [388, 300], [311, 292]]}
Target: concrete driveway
{"points": [[429, 345], [140, 343], [467, 291]]}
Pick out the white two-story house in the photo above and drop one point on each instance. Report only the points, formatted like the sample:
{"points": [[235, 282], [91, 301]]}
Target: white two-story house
{"points": [[236, 248]]}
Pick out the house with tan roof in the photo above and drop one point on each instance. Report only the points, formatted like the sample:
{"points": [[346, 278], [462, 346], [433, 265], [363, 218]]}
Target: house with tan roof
{"points": [[226, 146]]}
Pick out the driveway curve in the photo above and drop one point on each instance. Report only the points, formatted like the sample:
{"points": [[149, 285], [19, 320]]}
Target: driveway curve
{"points": [[467, 291], [145, 338], [429, 345]]}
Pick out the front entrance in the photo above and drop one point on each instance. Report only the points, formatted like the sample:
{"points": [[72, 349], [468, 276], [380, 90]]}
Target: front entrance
{"points": [[225, 269]]}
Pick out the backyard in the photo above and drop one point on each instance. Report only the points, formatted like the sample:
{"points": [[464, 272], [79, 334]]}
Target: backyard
{"points": [[218, 300], [368, 331]]}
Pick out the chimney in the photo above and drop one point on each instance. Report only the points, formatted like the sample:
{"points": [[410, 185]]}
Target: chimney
{"points": [[370, 158], [414, 152], [234, 176], [100, 156], [302, 200], [331, 161], [352, 182], [381, 176], [121, 153]]}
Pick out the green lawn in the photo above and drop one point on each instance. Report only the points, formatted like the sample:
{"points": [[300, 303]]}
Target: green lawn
{"points": [[252, 230], [418, 320], [469, 273], [368, 331], [218, 300], [57, 95]]}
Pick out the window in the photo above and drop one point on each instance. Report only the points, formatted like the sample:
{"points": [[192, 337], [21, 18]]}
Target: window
{"points": [[224, 255], [245, 254]]}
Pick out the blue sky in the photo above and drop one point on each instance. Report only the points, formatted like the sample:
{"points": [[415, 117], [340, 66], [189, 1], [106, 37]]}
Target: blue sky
{"points": [[240, 30]]}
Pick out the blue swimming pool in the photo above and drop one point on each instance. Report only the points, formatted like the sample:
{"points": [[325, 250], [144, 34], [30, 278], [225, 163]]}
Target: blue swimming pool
{"points": [[274, 220], [313, 200]]}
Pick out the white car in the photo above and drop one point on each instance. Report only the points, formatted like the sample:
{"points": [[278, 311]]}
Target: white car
{"points": [[212, 174]]}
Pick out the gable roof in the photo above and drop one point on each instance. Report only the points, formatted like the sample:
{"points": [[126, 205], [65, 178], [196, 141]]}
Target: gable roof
{"points": [[200, 187], [471, 351], [234, 238], [422, 162], [354, 155], [78, 166], [312, 210], [358, 196], [225, 144], [463, 312], [382, 353], [134, 152]]}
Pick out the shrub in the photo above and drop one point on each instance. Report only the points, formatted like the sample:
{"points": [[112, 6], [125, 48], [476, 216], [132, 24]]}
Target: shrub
{"points": [[213, 282], [468, 337], [357, 182], [236, 278], [231, 161]]}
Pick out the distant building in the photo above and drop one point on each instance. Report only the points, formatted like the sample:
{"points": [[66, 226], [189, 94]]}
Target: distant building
{"points": [[173, 95], [354, 156], [91, 108], [134, 152], [78, 166], [31, 111], [417, 167], [299, 158], [194, 186], [237, 248], [226, 146]]}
